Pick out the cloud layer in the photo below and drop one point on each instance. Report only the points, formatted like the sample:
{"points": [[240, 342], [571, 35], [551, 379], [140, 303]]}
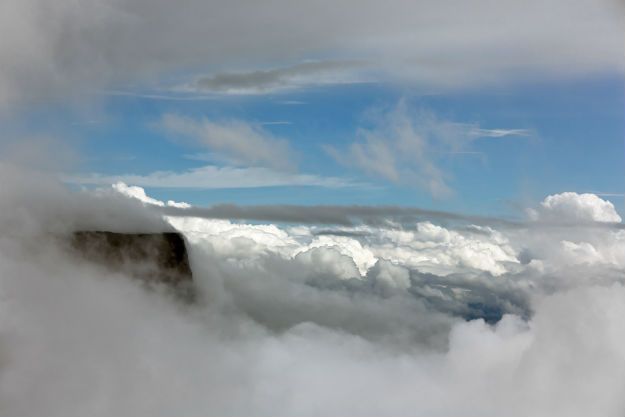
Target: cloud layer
{"points": [[58, 49]]}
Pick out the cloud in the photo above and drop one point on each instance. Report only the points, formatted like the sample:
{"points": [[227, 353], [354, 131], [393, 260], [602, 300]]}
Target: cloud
{"points": [[406, 237], [429, 248], [325, 260], [390, 276], [404, 145], [381, 216], [277, 79], [281, 308], [236, 141], [397, 149], [172, 96], [56, 50], [474, 271], [512, 319], [212, 177], [570, 206], [499, 133], [139, 194], [392, 218], [41, 205]]}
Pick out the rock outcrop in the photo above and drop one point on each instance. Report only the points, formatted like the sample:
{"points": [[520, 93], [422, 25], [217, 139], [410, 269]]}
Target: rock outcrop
{"points": [[152, 257]]}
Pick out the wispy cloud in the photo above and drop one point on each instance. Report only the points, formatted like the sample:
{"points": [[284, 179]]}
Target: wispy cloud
{"points": [[404, 145], [155, 95], [276, 123], [606, 194], [213, 177], [291, 102], [235, 141], [499, 133]]}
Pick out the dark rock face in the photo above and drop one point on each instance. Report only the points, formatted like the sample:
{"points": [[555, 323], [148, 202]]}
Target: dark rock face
{"points": [[153, 257]]}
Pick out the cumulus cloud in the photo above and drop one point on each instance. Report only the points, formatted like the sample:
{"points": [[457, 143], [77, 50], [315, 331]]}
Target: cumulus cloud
{"points": [[568, 243], [236, 141], [58, 49], [570, 206]]}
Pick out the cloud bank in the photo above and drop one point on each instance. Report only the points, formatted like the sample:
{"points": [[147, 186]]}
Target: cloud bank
{"points": [[295, 320]]}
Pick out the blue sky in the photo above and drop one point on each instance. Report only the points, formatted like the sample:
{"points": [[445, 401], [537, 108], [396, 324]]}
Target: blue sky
{"points": [[478, 108], [572, 140]]}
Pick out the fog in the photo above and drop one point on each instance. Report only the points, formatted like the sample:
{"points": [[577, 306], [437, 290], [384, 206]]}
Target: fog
{"points": [[290, 322]]}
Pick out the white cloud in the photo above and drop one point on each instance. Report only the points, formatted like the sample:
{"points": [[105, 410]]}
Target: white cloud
{"points": [[570, 206], [136, 192], [361, 256], [434, 249], [139, 194], [236, 141], [429, 249]]}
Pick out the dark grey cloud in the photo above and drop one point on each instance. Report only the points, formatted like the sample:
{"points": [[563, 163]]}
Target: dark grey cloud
{"points": [[262, 81], [338, 215], [380, 216]]}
